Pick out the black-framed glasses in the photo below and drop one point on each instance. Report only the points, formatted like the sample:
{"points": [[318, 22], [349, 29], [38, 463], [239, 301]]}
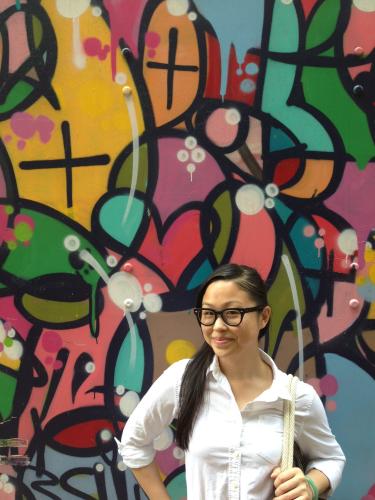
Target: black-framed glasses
{"points": [[232, 316]]}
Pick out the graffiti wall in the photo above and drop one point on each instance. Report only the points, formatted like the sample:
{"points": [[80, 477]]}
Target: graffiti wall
{"points": [[143, 143]]}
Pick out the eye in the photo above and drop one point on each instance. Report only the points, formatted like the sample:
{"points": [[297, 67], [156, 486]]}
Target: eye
{"points": [[232, 313], [207, 313]]}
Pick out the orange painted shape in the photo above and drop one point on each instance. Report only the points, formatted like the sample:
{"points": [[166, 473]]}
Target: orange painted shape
{"points": [[315, 179]]}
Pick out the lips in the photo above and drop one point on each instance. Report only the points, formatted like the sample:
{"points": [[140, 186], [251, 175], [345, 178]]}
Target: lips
{"points": [[221, 340]]}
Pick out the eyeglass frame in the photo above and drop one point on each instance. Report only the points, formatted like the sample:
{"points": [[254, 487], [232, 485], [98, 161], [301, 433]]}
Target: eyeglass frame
{"points": [[241, 310]]}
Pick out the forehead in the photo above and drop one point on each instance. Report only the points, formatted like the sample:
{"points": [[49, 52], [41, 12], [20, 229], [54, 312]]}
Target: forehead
{"points": [[222, 293]]}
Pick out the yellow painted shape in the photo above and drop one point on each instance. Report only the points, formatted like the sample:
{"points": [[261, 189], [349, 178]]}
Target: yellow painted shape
{"points": [[13, 364], [369, 254], [54, 311], [315, 179], [95, 108], [179, 349], [371, 311]]}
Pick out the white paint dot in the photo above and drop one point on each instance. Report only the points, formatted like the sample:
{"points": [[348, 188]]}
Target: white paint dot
{"points": [[286, 2], [152, 302], [178, 453], [191, 168], [99, 467], [190, 142], [14, 351], [182, 155], [72, 9], [198, 155], [192, 16], [142, 315], [121, 466], [106, 435], [11, 333], [112, 261], [72, 243], [120, 389], [365, 5], [272, 190], [147, 287], [269, 203], [177, 7], [250, 199], [348, 242], [121, 78], [96, 11], [164, 440], [90, 367], [128, 403], [232, 116], [4, 478], [9, 488], [123, 286]]}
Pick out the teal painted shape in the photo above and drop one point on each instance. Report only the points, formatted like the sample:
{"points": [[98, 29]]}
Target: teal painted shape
{"points": [[111, 218], [177, 487], [131, 377], [353, 425], [280, 140], [282, 210], [308, 254], [203, 272], [314, 285], [279, 81]]}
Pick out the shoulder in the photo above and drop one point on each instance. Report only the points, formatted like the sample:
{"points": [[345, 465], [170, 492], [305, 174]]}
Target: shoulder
{"points": [[176, 370], [305, 393]]}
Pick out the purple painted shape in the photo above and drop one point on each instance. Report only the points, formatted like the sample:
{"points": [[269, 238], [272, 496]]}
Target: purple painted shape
{"points": [[25, 126], [176, 186], [353, 200], [124, 20]]}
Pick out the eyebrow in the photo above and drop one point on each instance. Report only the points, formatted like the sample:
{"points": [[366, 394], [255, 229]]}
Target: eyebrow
{"points": [[225, 305]]}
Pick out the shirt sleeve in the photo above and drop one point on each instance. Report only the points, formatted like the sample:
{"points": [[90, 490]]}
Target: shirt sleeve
{"points": [[153, 414], [317, 442]]}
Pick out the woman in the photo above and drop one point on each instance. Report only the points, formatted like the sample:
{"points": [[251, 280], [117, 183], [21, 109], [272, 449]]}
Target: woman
{"points": [[228, 401]]}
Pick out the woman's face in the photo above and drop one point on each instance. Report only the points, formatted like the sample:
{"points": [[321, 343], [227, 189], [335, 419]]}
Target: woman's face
{"points": [[228, 340]]}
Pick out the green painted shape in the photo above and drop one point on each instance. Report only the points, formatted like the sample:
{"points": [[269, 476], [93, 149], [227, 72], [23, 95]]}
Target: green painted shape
{"points": [[282, 210], [323, 24], [131, 377], [281, 300], [177, 487], [37, 31], [124, 177], [15, 96], [8, 385], [323, 89], [224, 209], [284, 36], [46, 253], [280, 140], [111, 214], [201, 275]]}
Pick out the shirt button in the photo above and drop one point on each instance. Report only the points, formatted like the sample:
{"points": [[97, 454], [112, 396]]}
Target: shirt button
{"points": [[236, 454], [234, 485]]}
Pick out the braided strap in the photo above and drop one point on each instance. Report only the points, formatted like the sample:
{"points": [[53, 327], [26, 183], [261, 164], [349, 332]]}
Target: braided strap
{"points": [[288, 434]]}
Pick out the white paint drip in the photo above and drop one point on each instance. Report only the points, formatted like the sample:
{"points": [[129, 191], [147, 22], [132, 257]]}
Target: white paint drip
{"points": [[79, 58], [135, 166], [90, 259], [133, 340], [293, 287]]}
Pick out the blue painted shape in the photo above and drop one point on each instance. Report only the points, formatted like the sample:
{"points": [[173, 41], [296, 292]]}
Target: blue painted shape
{"points": [[353, 425], [177, 487], [308, 254], [238, 23], [314, 285], [111, 218], [280, 140], [131, 377], [282, 210], [203, 272]]}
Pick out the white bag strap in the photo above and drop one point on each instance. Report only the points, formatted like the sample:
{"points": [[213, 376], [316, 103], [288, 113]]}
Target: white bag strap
{"points": [[288, 435]]}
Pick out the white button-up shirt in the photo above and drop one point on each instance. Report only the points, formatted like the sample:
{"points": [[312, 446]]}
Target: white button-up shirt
{"points": [[231, 452]]}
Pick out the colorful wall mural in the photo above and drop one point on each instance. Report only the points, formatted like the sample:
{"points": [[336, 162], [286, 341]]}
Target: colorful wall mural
{"points": [[143, 143]]}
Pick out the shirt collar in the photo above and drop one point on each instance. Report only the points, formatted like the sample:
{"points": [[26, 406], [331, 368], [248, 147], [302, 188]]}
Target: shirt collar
{"points": [[277, 390]]}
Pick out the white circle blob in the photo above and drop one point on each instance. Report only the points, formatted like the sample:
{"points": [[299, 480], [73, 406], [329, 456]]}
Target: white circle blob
{"points": [[11, 333], [121, 78], [90, 367], [128, 403], [286, 2], [4, 478], [182, 155], [250, 199], [348, 241], [269, 203], [164, 440], [191, 168], [198, 155], [365, 5], [142, 315], [123, 286], [192, 16], [178, 453], [272, 190], [72, 8], [96, 11], [99, 467], [112, 261], [9, 488], [72, 243], [120, 389], [106, 435], [147, 287], [152, 302], [121, 466], [177, 7], [232, 116], [190, 142], [14, 351]]}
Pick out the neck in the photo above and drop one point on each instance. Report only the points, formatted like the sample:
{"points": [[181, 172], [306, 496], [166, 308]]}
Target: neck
{"points": [[244, 366]]}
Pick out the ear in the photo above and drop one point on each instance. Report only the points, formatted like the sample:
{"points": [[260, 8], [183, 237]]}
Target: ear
{"points": [[265, 316]]}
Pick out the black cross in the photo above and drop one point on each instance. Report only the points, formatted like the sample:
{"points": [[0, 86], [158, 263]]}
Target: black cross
{"points": [[68, 162], [171, 66]]}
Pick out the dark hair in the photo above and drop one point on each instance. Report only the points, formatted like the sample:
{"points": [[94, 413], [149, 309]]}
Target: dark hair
{"points": [[194, 379]]}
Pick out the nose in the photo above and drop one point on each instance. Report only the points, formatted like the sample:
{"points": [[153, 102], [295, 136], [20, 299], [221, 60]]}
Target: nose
{"points": [[219, 322]]}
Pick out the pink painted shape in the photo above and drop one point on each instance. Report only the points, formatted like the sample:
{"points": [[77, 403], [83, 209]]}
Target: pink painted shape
{"points": [[173, 255], [45, 128], [218, 130], [173, 173], [309, 231], [124, 21], [7, 138], [24, 218], [256, 242], [359, 32], [353, 200], [343, 315], [93, 48], [23, 124], [166, 461], [329, 385], [331, 405], [18, 44], [11, 315], [151, 53], [152, 39], [51, 341]]}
